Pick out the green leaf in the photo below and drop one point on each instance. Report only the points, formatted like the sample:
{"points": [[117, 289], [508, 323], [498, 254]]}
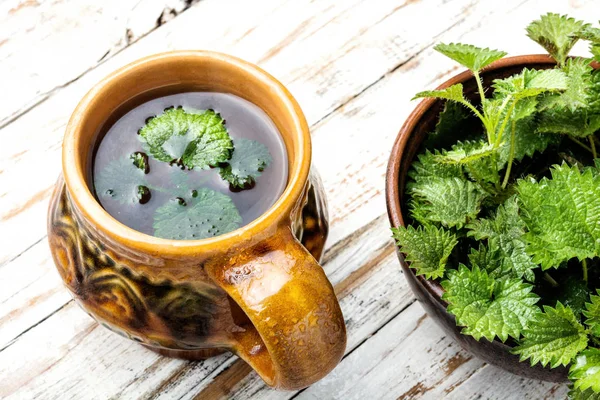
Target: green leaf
{"points": [[530, 83], [553, 337], [588, 394], [574, 293], [452, 119], [249, 159], [427, 248], [585, 370], [450, 201], [427, 166], [555, 33], [120, 180], [198, 140], [454, 93], [579, 123], [592, 314], [491, 261], [562, 215], [474, 58], [504, 232], [527, 141], [208, 214], [477, 157], [486, 307]]}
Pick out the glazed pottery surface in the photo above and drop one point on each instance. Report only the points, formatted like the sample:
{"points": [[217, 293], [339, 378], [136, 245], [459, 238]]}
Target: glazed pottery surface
{"points": [[420, 122], [257, 291]]}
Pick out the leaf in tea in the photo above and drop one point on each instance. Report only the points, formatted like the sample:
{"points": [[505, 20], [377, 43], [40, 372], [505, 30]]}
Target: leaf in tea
{"points": [[197, 140], [207, 214], [122, 180], [248, 160]]}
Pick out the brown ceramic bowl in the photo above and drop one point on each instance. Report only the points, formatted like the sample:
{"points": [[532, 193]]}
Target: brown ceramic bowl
{"points": [[258, 291], [420, 122]]}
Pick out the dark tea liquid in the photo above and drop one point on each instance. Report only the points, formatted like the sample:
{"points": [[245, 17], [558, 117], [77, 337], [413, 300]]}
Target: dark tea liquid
{"points": [[243, 120]]}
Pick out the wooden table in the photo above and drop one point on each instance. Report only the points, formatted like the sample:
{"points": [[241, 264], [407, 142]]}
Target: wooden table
{"points": [[353, 65]]}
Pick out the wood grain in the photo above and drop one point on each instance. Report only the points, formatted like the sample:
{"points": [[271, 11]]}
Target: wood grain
{"points": [[353, 66]]}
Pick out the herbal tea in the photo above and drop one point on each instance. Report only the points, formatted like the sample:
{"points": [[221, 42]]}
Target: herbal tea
{"points": [[190, 166]]}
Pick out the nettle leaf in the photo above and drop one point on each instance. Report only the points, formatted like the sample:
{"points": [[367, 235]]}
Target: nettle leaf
{"points": [[593, 35], [585, 370], [592, 314], [454, 93], [427, 248], [120, 180], [452, 119], [527, 141], [491, 261], [427, 166], [249, 159], [198, 140], [504, 232], [207, 214], [553, 337], [450, 201], [562, 215], [474, 58], [487, 307], [579, 123], [530, 83], [588, 394], [574, 293], [477, 157], [556, 33]]}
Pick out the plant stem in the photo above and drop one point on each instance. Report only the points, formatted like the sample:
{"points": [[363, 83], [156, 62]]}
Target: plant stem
{"points": [[580, 143], [503, 126], [593, 146], [472, 108], [511, 156], [585, 274], [550, 280], [479, 85]]}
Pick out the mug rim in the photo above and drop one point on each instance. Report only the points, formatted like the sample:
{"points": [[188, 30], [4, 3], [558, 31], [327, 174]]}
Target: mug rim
{"points": [[74, 171]]}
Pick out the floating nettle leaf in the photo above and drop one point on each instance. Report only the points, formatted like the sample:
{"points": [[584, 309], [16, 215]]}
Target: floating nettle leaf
{"points": [[206, 214], [248, 161], [123, 181], [195, 140]]}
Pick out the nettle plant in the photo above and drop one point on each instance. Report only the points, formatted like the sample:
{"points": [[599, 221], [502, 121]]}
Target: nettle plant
{"points": [[508, 219]]}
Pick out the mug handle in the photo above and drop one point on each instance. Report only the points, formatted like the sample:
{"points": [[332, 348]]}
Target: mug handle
{"points": [[296, 333]]}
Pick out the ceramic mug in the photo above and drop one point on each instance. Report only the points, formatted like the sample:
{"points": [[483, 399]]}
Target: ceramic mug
{"points": [[258, 291]]}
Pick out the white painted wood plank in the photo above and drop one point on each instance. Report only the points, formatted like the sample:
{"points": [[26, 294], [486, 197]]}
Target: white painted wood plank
{"points": [[378, 368], [491, 383], [45, 45]]}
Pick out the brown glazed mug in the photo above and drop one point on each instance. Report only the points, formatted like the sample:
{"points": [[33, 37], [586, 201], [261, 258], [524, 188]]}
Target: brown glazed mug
{"points": [[258, 291]]}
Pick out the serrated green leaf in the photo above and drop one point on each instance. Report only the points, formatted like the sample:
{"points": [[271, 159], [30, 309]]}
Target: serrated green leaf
{"points": [[427, 166], [588, 394], [120, 180], [208, 214], [530, 83], [427, 248], [555, 33], [580, 123], [592, 314], [471, 57], [504, 232], [452, 119], [486, 307], [477, 157], [553, 337], [562, 215], [527, 141], [491, 261], [247, 162], [450, 201], [198, 140], [454, 93], [585, 370], [574, 293]]}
